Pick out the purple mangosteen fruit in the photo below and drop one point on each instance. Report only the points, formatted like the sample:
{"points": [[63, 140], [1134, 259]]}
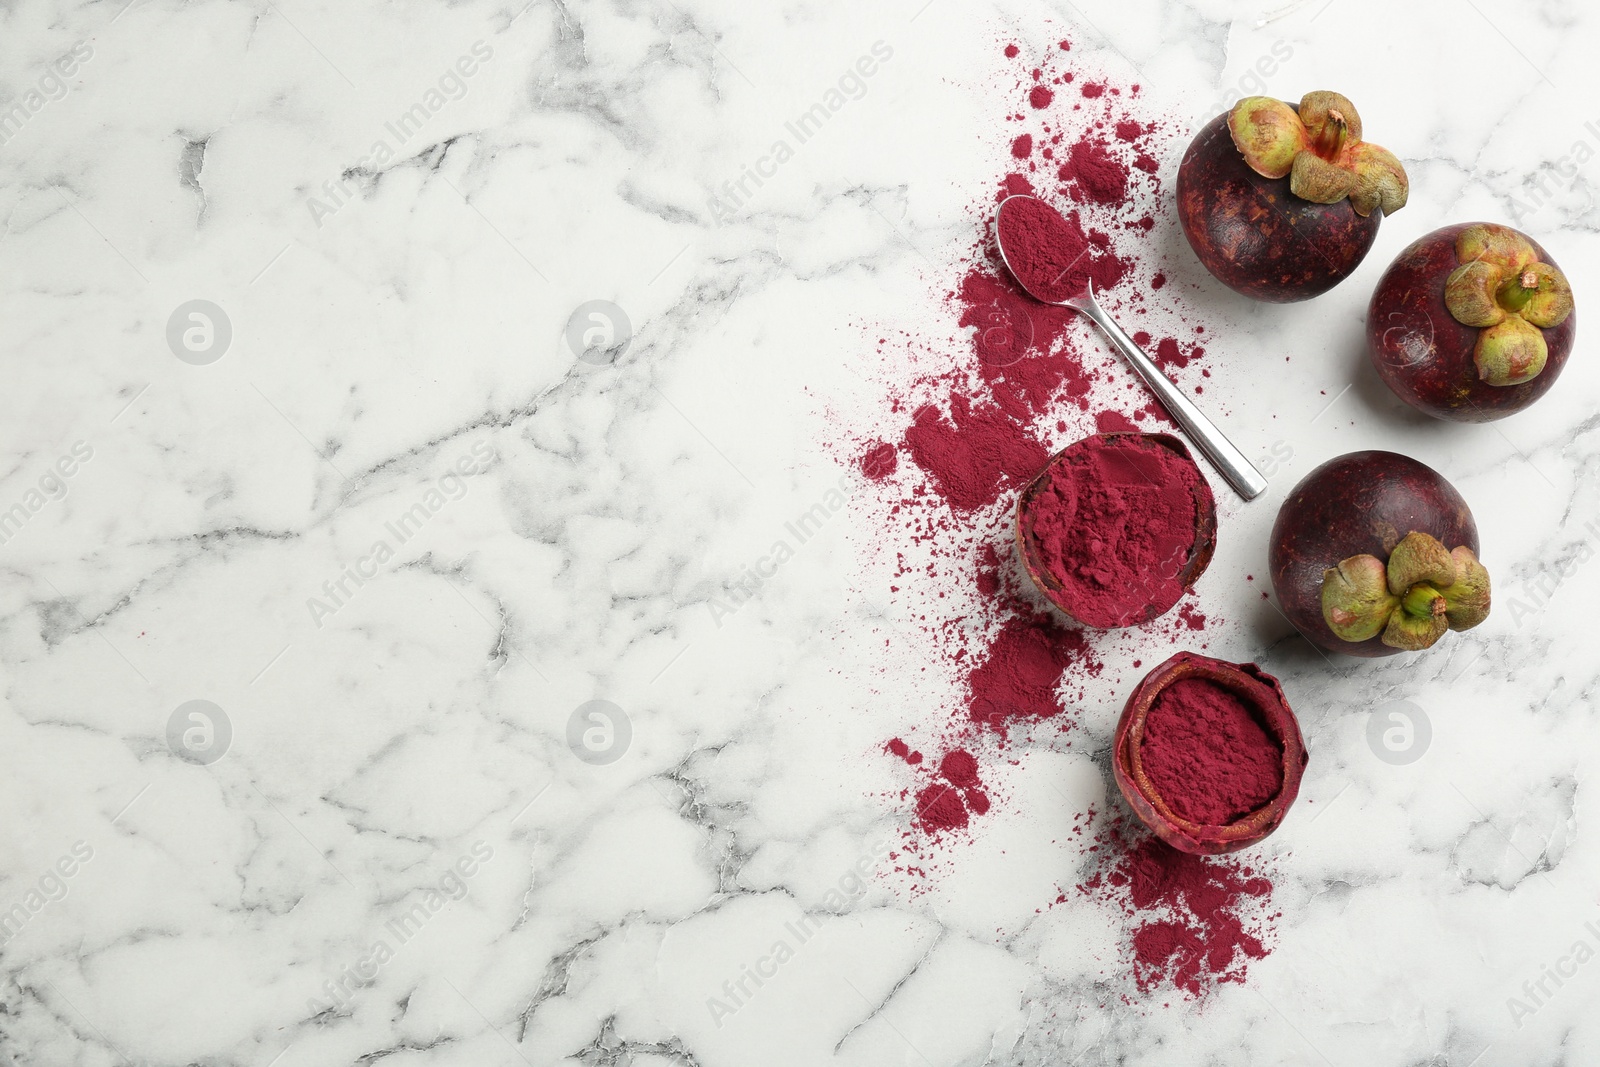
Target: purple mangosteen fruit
{"points": [[1374, 553], [1471, 323], [1282, 203]]}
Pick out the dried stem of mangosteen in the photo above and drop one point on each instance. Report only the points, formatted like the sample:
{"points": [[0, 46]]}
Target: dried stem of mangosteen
{"points": [[1515, 292], [1423, 601], [1329, 140]]}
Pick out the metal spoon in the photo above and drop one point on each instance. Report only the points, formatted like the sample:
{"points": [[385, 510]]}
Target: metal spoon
{"points": [[1229, 461]]}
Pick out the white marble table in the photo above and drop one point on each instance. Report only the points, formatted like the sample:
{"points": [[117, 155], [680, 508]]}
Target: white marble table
{"points": [[381, 519]]}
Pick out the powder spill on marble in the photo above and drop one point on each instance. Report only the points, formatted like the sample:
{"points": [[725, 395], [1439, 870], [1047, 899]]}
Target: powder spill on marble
{"points": [[972, 454], [960, 767], [940, 807], [1022, 670], [904, 751], [977, 442], [944, 806], [1194, 921], [978, 414], [1098, 175], [879, 461]]}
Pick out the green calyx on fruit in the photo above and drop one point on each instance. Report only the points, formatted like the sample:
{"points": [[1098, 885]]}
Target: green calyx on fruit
{"points": [[1419, 560], [1466, 599], [1423, 590], [1356, 602], [1502, 288], [1320, 148]]}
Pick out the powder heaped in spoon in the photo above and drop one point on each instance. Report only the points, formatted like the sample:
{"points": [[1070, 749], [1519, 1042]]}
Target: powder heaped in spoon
{"points": [[1046, 250]]}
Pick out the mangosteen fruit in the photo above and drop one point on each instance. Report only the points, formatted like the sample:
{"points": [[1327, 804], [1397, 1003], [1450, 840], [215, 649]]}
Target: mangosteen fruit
{"points": [[1375, 553], [1282, 203], [1472, 322]]}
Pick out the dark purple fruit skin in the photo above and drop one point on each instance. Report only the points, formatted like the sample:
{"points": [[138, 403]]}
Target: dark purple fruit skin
{"points": [[1254, 235], [1423, 354], [1359, 503]]}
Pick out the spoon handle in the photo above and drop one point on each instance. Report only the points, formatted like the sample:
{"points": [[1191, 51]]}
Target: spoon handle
{"points": [[1245, 479]]}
